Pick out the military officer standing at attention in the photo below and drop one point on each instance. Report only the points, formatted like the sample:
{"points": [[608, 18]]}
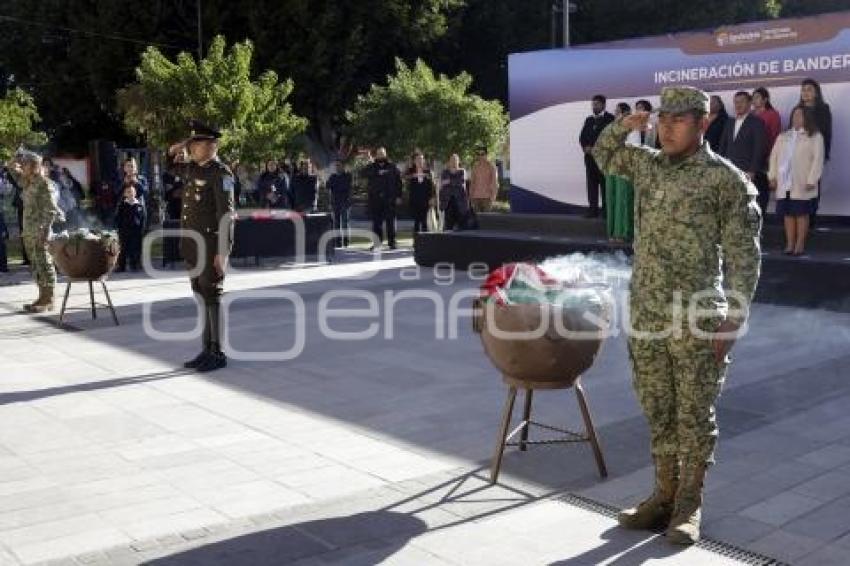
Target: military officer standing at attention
{"points": [[693, 210], [208, 210]]}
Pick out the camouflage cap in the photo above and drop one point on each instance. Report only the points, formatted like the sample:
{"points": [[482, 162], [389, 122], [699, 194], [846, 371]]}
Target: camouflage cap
{"points": [[27, 156], [679, 99]]}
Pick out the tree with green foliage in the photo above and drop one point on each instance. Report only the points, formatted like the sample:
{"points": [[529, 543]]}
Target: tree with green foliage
{"points": [[73, 55], [436, 114], [336, 50], [18, 116], [255, 117]]}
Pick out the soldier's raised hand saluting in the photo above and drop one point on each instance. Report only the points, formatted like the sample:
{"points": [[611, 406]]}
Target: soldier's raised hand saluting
{"points": [[637, 121]]}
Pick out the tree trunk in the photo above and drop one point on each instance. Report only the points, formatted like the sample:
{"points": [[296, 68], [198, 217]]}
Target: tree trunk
{"points": [[321, 138]]}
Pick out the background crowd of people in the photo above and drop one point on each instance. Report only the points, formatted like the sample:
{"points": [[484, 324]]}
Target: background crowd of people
{"points": [[786, 163], [453, 197], [783, 158]]}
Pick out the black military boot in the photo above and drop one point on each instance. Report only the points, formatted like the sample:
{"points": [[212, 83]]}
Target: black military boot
{"points": [[215, 358], [198, 360]]}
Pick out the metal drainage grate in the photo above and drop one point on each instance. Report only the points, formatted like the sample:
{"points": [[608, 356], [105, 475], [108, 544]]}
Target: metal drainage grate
{"points": [[717, 547]]}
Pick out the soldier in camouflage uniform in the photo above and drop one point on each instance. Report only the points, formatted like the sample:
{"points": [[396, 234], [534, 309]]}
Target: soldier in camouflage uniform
{"points": [[41, 209], [208, 210], [693, 210]]}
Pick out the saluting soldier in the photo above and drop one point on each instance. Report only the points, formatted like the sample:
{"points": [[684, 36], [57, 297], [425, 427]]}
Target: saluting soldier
{"points": [[208, 211], [40, 211], [694, 212]]}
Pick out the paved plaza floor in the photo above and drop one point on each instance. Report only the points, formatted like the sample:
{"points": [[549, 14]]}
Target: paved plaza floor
{"points": [[376, 451]]}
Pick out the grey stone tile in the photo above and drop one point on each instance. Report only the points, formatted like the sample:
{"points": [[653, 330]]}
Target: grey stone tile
{"points": [[829, 486], [788, 474], [843, 542], [81, 542], [781, 508], [825, 523], [170, 540], [830, 456], [119, 553], [736, 529], [732, 497], [771, 440], [831, 555], [92, 558], [7, 559], [785, 546]]}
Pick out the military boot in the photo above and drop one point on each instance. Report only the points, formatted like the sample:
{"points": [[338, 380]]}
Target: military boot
{"points": [[655, 512], [201, 358], [43, 303], [197, 360], [30, 306], [216, 358], [687, 513]]}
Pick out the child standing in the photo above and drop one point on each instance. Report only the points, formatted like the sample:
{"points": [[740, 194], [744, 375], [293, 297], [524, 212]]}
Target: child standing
{"points": [[130, 222]]}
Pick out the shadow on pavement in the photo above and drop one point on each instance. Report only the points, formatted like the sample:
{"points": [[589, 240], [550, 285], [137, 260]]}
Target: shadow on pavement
{"points": [[362, 538], [630, 547], [365, 538], [36, 394]]}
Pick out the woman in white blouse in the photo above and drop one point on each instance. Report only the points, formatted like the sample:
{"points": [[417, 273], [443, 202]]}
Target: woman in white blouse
{"points": [[796, 165]]}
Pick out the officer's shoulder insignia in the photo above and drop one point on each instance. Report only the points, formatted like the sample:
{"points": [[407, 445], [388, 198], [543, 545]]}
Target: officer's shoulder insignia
{"points": [[227, 184]]}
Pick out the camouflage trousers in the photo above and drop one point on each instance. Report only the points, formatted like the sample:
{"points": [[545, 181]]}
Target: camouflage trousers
{"points": [[41, 263], [677, 381]]}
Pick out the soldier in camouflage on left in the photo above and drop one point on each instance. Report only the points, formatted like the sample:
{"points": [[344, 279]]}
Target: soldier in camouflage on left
{"points": [[41, 210]]}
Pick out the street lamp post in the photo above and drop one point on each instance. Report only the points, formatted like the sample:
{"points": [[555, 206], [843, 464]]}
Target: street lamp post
{"points": [[562, 8], [568, 9], [553, 20]]}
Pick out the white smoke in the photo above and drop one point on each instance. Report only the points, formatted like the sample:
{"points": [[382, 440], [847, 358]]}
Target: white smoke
{"points": [[612, 270]]}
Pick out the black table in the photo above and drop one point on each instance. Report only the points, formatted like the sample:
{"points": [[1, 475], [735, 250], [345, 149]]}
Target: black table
{"points": [[260, 237]]}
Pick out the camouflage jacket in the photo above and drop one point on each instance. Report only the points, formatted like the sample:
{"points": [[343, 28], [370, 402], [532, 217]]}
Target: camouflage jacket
{"points": [[41, 206], [697, 230], [208, 200]]}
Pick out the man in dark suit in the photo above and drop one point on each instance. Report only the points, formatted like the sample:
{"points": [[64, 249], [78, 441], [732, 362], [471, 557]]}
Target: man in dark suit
{"points": [[744, 143], [593, 126]]}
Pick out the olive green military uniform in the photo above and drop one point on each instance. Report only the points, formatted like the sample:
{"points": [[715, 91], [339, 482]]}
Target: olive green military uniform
{"points": [[697, 229], [208, 211]]}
